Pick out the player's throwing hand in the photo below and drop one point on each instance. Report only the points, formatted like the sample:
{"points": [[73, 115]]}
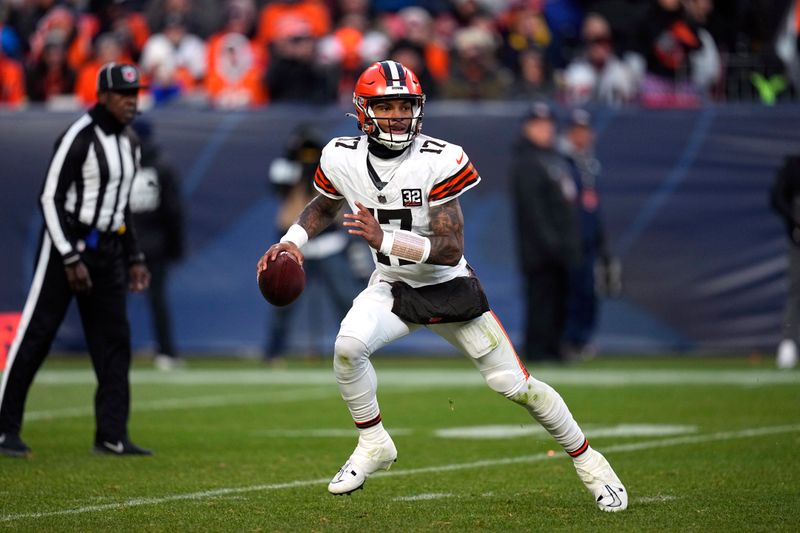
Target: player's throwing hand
{"points": [[273, 252]]}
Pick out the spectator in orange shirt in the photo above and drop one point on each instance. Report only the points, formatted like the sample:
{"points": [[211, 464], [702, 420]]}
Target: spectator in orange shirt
{"points": [[235, 64], [352, 45], [273, 15], [12, 82]]}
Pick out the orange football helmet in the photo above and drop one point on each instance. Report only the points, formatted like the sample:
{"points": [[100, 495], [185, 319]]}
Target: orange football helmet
{"points": [[388, 80]]}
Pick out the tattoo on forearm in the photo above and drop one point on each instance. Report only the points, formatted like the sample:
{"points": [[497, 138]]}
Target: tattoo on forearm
{"points": [[447, 241], [319, 214]]}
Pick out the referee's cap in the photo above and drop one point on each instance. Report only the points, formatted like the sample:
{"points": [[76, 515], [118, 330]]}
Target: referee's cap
{"points": [[119, 77], [540, 110]]}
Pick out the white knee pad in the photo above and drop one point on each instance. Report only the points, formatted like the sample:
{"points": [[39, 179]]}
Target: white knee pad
{"points": [[356, 377], [486, 342], [504, 382], [350, 357]]}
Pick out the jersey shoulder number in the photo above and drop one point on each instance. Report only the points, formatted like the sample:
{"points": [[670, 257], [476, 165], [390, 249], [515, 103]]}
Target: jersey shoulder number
{"points": [[454, 172]]}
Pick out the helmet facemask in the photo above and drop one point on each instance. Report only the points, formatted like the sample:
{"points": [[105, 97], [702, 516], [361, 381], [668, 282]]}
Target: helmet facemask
{"points": [[392, 140]]}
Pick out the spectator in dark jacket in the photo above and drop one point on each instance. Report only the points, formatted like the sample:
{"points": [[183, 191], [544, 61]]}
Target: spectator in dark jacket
{"points": [[50, 75], [158, 216], [666, 37], [596, 263], [544, 197]]}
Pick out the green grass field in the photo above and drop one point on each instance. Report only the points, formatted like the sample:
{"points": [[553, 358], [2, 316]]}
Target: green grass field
{"points": [[701, 444]]}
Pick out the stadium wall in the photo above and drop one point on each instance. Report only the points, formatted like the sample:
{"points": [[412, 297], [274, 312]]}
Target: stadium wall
{"points": [[686, 206]]}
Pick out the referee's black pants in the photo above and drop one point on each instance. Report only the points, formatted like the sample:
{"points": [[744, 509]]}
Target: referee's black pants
{"points": [[546, 311], [105, 324]]}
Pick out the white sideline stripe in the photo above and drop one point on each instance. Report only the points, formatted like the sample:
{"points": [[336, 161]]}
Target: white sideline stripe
{"points": [[188, 403], [421, 497], [662, 443], [321, 433], [659, 498], [492, 432], [508, 431], [390, 377]]}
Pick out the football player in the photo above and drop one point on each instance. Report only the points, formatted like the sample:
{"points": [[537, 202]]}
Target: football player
{"points": [[402, 189]]}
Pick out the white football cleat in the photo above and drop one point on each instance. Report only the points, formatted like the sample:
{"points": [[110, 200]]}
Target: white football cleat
{"points": [[787, 354], [364, 461], [598, 476]]}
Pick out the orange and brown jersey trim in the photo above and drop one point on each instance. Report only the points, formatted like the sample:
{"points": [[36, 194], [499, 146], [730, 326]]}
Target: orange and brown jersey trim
{"points": [[582, 448], [323, 183], [452, 186], [369, 423]]}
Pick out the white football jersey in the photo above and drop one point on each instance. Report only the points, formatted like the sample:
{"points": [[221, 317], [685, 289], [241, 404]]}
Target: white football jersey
{"points": [[399, 192]]}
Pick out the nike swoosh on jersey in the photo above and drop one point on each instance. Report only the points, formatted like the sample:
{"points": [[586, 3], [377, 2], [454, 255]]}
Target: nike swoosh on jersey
{"points": [[460, 159], [116, 448]]}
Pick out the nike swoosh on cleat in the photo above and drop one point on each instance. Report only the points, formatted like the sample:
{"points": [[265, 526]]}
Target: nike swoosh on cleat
{"points": [[461, 158], [341, 474], [116, 448], [616, 502]]}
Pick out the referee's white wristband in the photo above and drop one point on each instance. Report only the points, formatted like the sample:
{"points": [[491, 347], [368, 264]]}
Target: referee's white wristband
{"points": [[406, 245], [296, 234]]}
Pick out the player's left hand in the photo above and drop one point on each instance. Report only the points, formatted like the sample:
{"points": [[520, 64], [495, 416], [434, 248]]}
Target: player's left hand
{"points": [[364, 225], [138, 277]]}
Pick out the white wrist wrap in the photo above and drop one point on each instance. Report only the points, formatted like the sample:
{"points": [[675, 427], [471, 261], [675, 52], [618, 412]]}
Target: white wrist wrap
{"points": [[406, 245], [296, 234]]}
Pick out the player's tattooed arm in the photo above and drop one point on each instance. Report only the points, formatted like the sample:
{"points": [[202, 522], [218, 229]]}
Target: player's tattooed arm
{"points": [[316, 216], [447, 239], [319, 214]]}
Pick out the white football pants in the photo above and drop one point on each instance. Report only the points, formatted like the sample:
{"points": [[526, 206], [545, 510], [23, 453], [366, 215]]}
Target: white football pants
{"points": [[370, 325]]}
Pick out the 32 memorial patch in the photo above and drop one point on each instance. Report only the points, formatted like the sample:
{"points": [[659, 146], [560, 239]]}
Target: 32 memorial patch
{"points": [[412, 197]]}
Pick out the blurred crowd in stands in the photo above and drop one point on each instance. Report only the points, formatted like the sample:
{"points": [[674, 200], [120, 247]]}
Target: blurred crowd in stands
{"points": [[244, 53]]}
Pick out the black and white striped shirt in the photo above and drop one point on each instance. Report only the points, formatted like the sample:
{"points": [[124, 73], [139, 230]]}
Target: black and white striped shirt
{"points": [[88, 183]]}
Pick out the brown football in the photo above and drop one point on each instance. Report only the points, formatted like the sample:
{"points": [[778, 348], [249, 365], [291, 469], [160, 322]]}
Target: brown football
{"points": [[282, 281]]}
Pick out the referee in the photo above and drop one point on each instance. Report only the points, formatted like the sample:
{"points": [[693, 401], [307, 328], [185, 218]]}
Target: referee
{"points": [[89, 251]]}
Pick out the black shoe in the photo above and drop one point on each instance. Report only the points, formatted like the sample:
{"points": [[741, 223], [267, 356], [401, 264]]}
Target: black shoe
{"points": [[120, 447], [12, 446]]}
